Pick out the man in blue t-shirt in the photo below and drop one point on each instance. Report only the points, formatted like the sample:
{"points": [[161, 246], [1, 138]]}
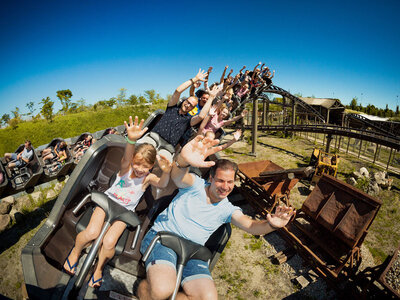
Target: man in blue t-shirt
{"points": [[20, 159], [195, 213]]}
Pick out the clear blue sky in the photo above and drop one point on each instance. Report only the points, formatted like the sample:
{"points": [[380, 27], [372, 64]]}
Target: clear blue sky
{"points": [[340, 49]]}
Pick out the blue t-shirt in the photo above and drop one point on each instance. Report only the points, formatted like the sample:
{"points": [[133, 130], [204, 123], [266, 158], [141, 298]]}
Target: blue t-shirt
{"points": [[191, 217]]}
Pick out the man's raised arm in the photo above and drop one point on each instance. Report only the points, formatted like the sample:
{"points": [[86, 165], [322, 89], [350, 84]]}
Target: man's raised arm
{"points": [[201, 75], [193, 154]]}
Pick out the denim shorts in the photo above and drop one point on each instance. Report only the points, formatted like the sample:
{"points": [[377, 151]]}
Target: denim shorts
{"points": [[160, 254], [17, 162]]}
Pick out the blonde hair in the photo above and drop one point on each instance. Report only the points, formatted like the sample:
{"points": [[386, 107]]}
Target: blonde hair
{"points": [[147, 153]]}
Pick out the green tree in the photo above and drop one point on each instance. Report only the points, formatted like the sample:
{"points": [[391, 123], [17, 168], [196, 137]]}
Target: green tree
{"points": [[142, 100], [121, 99], [111, 102], [353, 103], [5, 119], [47, 109], [30, 106], [397, 110], [65, 99], [82, 104], [132, 100], [150, 96], [16, 113], [13, 123]]}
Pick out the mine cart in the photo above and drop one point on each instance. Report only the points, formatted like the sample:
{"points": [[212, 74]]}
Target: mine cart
{"points": [[390, 277], [264, 184], [324, 163], [331, 225]]}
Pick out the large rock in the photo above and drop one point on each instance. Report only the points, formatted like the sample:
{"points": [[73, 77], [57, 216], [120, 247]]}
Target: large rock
{"points": [[22, 202], [357, 175], [36, 196], [58, 187], [4, 221], [364, 172], [373, 188], [380, 178], [9, 199], [51, 194], [351, 181], [5, 208]]}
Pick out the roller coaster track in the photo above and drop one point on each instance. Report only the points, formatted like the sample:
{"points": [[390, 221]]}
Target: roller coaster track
{"points": [[369, 123], [277, 90], [336, 130]]}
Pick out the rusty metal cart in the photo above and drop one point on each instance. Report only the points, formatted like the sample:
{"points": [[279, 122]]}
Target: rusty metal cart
{"points": [[262, 190], [331, 226]]}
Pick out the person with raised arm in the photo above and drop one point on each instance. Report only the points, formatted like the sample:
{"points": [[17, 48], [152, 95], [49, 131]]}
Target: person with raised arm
{"points": [[167, 133], [131, 182], [194, 214]]}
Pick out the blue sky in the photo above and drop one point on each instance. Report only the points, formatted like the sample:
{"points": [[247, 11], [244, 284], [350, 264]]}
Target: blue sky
{"points": [[340, 49]]}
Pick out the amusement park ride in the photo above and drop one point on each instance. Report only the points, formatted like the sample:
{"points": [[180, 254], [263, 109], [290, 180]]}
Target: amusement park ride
{"points": [[327, 231]]}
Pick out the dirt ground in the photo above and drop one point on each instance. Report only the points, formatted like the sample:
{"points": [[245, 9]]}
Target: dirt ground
{"points": [[244, 270]]}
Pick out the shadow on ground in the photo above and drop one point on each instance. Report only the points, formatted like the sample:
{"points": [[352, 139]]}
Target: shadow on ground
{"points": [[25, 223]]}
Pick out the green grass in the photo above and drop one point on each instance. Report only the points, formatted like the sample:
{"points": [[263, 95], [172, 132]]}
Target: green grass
{"points": [[42, 132]]}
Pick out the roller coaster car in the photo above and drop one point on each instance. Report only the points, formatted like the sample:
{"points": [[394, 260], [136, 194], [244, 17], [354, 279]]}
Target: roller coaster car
{"points": [[73, 146], [324, 163], [49, 170], [21, 178], [44, 255], [3, 179]]}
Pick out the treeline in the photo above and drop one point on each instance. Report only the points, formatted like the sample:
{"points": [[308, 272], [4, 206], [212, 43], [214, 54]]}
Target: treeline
{"points": [[45, 110], [370, 109]]}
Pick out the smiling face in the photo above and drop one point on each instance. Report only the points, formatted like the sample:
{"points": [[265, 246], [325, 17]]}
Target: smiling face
{"points": [[222, 184], [189, 104], [203, 99], [224, 113], [140, 166]]}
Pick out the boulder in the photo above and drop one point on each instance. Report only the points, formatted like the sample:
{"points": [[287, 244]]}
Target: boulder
{"points": [[36, 196], [5, 208], [357, 175], [373, 188], [58, 187], [380, 178], [51, 194], [9, 199], [364, 172], [22, 202], [4, 221], [351, 181]]}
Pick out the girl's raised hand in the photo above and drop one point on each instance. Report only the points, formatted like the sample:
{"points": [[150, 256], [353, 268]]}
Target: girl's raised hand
{"points": [[164, 163], [213, 110], [134, 130]]}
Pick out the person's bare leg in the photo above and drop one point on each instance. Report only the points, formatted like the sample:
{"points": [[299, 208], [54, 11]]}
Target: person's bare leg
{"points": [[159, 284], [48, 156], [86, 236], [202, 288], [107, 250]]}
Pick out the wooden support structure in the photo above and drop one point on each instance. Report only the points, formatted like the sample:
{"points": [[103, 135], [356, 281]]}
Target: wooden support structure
{"points": [[390, 157], [254, 128], [348, 144], [376, 152], [328, 142], [359, 151]]}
